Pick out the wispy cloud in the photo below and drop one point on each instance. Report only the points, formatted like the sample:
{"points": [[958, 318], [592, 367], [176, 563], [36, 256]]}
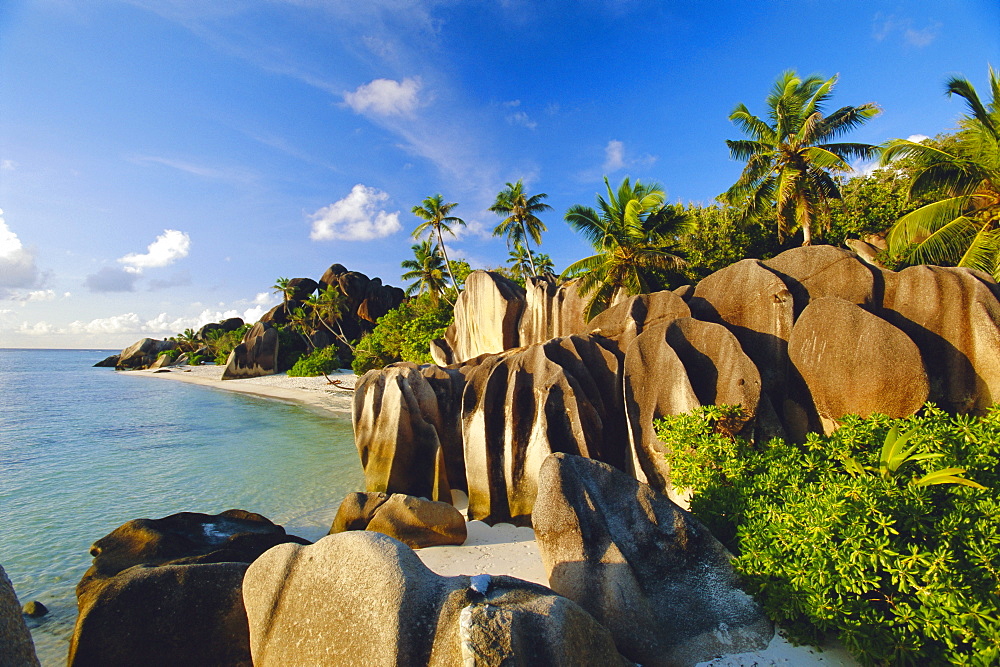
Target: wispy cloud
{"points": [[614, 156], [885, 26], [234, 175], [357, 217], [110, 279], [385, 97]]}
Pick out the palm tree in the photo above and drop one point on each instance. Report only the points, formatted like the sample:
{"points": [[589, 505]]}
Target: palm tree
{"points": [[521, 221], [790, 159], [434, 214], [634, 235], [326, 308], [426, 270], [281, 286], [520, 261], [544, 264], [963, 228]]}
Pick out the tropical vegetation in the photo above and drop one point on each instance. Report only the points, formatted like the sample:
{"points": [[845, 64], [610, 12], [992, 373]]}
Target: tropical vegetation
{"points": [[961, 227], [426, 270], [521, 221], [436, 219], [635, 236], [792, 157]]}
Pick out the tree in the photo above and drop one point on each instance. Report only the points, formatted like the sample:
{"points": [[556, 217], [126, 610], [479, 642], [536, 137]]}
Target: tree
{"points": [[634, 235], [426, 269], [281, 286], [520, 263], [790, 160], [521, 221], [961, 228], [326, 308], [434, 214]]}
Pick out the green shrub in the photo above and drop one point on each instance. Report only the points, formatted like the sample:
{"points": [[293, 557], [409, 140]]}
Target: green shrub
{"points": [[221, 343], [170, 354], [901, 573], [195, 360], [403, 334], [322, 360]]}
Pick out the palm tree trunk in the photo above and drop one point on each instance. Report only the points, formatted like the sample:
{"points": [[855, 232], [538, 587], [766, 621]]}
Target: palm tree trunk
{"points": [[447, 262], [527, 249]]}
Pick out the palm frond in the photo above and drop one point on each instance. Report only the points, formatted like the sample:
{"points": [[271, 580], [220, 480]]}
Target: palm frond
{"points": [[915, 227]]}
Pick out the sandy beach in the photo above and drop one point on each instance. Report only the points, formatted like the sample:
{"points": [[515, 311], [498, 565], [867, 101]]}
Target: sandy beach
{"points": [[497, 550]]}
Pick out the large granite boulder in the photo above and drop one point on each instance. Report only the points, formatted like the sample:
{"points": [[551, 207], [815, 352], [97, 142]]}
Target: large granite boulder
{"points": [[643, 567], [280, 314], [558, 396], [854, 362], [231, 323], [419, 523], [108, 362], [356, 510], [361, 598], [551, 310], [16, 647], [953, 316], [167, 591], [379, 300], [165, 616], [331, 277], [812, 272], [257, 355], [629, 318], [487, 315], [142, 354], [655, 385], [400, 431], [301, 288]]}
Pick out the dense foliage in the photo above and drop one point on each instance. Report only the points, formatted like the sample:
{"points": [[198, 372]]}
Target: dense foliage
{"points": [[221, 343], [320, 361], [902, 573], [403, 334]]}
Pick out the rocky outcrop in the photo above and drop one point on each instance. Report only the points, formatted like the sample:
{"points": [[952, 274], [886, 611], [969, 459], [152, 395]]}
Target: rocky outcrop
{"points": [[305, 607], [551, 310], [487, 316], [419, 523], [108, 362], [406, 432], [142, 354], [813, 272], [558, 396], [301, 288], [257, 355], [16, 647], [225, 326], [629, 318], [165, 616], [641, 566], [952, 315], [853, 362], [167, 591], [357, 510]]}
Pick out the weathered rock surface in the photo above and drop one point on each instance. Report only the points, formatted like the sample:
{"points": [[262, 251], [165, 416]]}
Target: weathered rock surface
{"points": [[487, 315], [361, 598], [142, 354], [655, 385], [641, 566], [952, 315], [357, 510], [16, 647], [301, 288], [551, 310], [257, 355], [168, 615], [399, 430], [419, 523], [167, 591], [34, 609], [813, 272], [559, 396], [854, 362], [108, 362], [629, 318]]}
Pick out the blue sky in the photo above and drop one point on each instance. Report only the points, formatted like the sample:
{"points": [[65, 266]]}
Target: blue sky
{"points": [[162, 162]]}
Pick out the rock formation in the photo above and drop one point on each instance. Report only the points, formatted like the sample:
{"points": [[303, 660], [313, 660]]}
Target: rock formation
{"points": [[419, 523], [142, 354], [167, 591], [487, 315], [551, 310], [257, 355], [16, 647], [307, 606], [641, 566]]}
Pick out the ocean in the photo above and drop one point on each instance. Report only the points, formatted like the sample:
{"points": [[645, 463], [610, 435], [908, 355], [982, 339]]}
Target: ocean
{"points": [[83, 450]]}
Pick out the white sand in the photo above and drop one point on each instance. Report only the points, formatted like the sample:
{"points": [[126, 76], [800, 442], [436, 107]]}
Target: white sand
{"points": [[500, 549]]}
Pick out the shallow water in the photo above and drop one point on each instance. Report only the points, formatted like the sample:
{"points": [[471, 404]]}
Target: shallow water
{"points": [[83, 450]]}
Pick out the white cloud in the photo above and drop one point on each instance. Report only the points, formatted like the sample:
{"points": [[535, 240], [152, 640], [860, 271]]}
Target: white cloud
{"points": [[168, 247], [7, 165], [263, 298], [884, 26], [251, 315], [614, 156], [385, 97], [917, 138], [523, 119], [41, 295], [17, 263], [37, 329], [356, 217]]}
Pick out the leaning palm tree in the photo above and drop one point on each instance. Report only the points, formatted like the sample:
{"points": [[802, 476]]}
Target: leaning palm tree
{"points": [[434, 213], [281, 286], [521, 221], [963, 228], [634, 235], [427, 270], [791, 158], [326, 308]]}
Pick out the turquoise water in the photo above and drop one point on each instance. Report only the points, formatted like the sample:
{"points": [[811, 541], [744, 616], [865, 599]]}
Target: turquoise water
{"points": [[83, 450]]}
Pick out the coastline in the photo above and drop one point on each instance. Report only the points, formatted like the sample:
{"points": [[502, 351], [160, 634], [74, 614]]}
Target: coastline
{"points": [[314, 393]]}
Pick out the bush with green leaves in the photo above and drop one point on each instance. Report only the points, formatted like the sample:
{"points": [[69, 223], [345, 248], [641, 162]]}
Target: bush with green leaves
{"points": [[403, 334], [221, 343], [321, 361], [170, 354], [851, 535]]}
